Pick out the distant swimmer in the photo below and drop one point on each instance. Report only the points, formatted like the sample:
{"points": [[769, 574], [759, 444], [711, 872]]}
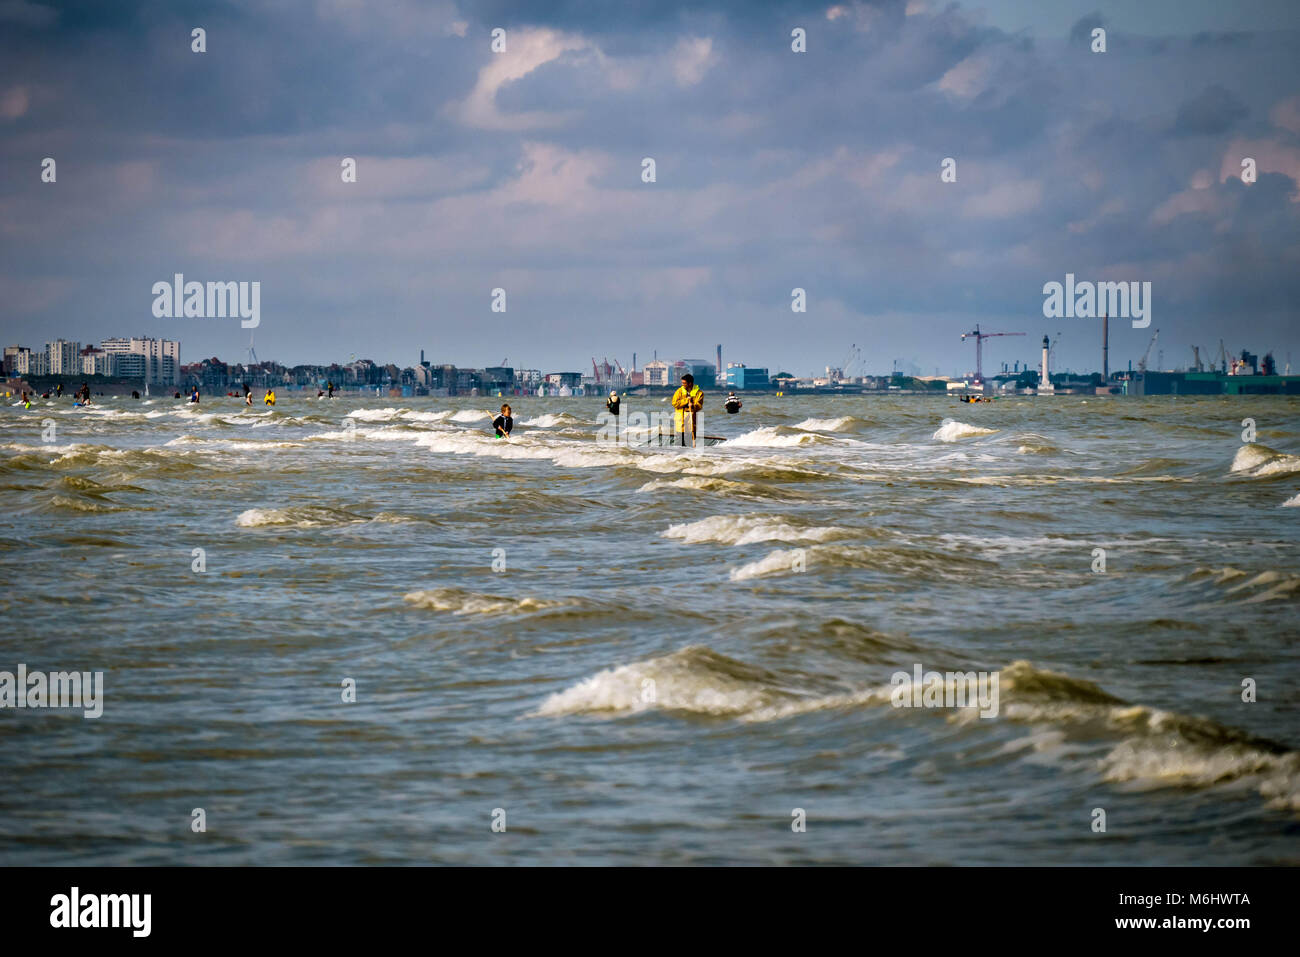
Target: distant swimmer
{"points": [[135, 394], [27, 400], [503, 423], [270, 397], [612, 404], [248, 395], [58, 390], [687, 401], [320, 393], [732, 404]]}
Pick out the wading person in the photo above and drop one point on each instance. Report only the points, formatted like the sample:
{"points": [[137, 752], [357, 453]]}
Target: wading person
{"points": [[612, 404], [503, 423], [687, 402]]}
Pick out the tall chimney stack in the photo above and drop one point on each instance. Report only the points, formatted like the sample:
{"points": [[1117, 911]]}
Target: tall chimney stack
{"points": [[721, 374], [1105, 349]]}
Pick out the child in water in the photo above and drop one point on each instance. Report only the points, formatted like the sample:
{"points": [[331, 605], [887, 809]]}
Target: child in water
{"points": [[503, 423]]}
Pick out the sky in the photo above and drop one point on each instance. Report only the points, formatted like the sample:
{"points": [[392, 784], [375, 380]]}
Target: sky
{"points": [[523, 170]]}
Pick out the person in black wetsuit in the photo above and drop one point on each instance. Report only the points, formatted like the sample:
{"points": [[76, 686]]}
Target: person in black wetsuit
{"points": [[612, 404], [733, 404], [503, 423]]}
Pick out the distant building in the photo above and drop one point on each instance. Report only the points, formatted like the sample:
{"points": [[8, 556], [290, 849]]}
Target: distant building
{"points": [[740, 376], [63, 357], [17, 360], [656, 373], [704, 371], [96, 362], [161, 358]]}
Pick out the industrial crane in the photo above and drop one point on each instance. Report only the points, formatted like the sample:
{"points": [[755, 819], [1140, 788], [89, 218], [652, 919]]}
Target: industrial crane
{"points": [[853, 358], [1142, 363], [979, 338]]}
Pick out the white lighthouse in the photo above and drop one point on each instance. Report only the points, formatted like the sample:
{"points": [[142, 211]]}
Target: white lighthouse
{"points": [[1044, 380]]}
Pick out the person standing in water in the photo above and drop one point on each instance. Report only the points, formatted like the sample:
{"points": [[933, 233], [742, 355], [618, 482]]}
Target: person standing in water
{"points": [[612, 404], [270, 397], [687, 401], [194, 395], [503, 423], [733, 404], [329, 388]]}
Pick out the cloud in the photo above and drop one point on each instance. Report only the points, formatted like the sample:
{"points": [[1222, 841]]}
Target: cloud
{"points": [[526, 50], [1214, 111], [691, 59], [14, 102]]}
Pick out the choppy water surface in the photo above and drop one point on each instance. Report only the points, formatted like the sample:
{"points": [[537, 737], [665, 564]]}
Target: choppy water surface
{"points": [[356, 539]]}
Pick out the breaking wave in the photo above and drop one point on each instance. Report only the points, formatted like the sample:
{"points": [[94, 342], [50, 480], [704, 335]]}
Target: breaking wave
{"points": [[749, 529], [1260, 461], [459, 601], [950, 430]]}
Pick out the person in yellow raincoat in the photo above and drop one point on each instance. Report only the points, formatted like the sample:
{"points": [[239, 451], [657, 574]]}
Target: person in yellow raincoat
{"points": [[687, 402]]}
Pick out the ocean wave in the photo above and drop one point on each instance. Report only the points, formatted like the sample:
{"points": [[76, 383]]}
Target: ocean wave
{"points": [[459, 601], [750, 529], [64, 503], [1259, 461], [1034, 444], [471, 415], [377, 415], [950, 430], [1158, 748], [771, 437], [1148, 747], [1242, 588], [1292, 502], [551, 420], [711, 484], [842, 423], [297, 516]]}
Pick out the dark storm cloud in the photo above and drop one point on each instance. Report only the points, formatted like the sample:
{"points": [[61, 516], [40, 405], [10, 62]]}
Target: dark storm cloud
{"points": [[1213, 111], [775, 169]]}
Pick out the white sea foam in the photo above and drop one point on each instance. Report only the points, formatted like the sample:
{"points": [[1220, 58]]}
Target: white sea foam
{"points": [[461, 602], [1260, 461], [549, 421], [770, 437], [750, 529], [1293, 501], [300, 516], [774, 563], [951, 430], [840, 424], [442, 416], [375, 415]]}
